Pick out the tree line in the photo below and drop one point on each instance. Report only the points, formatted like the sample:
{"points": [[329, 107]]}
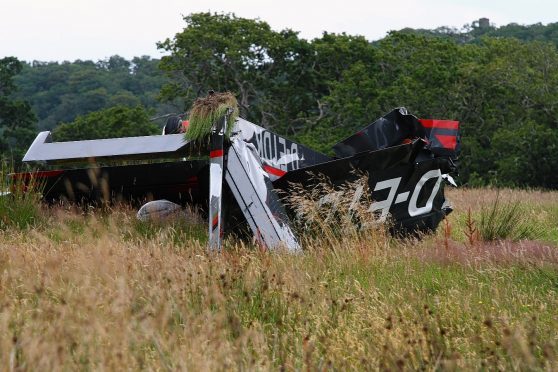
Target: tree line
{"points": [[60, 92], [501, 84]]}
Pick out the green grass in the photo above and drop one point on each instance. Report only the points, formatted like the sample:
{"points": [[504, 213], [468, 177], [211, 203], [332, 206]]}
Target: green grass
{"points": [[19, 201], [99, 290], [512, 216], [508, 220]]}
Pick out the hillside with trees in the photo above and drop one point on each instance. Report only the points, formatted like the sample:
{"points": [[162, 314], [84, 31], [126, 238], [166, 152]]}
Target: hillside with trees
{"points": [[474, 32], [501, 83], [60, 92]]}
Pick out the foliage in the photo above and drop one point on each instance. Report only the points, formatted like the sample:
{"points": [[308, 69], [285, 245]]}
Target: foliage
{"points": [[206, 111], [267, 70], [17, 121], [500, 83], [473, 32], [534, 32], [60, 92], [118, 121], [527, 155]]}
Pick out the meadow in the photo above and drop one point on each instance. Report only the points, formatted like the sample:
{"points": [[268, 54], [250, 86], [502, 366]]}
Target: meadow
{"points": [[97, 290]]}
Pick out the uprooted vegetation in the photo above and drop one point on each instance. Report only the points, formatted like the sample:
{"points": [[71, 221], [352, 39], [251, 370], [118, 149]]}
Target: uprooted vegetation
{"points": [[93, 288]]}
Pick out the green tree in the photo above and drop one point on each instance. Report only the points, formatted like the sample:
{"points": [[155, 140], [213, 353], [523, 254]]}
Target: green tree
{"points": [[344, 71], [473, 33], [118, 121], [527, 155], [59, 92], [220, 52], [280, 80], [273, 74], [17, 120], [507, 83], [415, 71], [418, 72]]}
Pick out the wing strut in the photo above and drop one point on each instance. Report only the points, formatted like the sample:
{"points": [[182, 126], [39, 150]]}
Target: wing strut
{"points": [[216, 171]]}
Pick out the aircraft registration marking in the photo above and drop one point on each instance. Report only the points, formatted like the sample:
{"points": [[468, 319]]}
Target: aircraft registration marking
{"points": [[382, 207]]}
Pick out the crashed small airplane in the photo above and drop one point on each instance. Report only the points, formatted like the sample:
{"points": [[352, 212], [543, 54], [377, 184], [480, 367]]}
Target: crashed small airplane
{"points": [[234, 170]]}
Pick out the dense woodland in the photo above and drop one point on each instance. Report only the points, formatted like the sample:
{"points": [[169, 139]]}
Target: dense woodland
{"points": [[501, 83]]}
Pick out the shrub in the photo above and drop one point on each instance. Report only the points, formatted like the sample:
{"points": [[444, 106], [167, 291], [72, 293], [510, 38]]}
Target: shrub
{"points": [[506, 221]]}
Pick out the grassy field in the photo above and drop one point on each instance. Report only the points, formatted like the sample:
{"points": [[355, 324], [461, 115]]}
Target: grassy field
{"points": [[99, 290]]}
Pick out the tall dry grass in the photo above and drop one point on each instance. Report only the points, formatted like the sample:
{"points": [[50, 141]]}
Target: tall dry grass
{"points": [[97, 290]]}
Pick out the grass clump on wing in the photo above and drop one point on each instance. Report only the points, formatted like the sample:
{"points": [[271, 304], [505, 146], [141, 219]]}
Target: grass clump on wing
{"points": [[506, 221], [206, 111]]}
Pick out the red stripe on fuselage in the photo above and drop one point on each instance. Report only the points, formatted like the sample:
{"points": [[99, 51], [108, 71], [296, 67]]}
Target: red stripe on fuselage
{"points": [[275, 171], [216, 154], [38, 174], [449, 142], [441, 124]]}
